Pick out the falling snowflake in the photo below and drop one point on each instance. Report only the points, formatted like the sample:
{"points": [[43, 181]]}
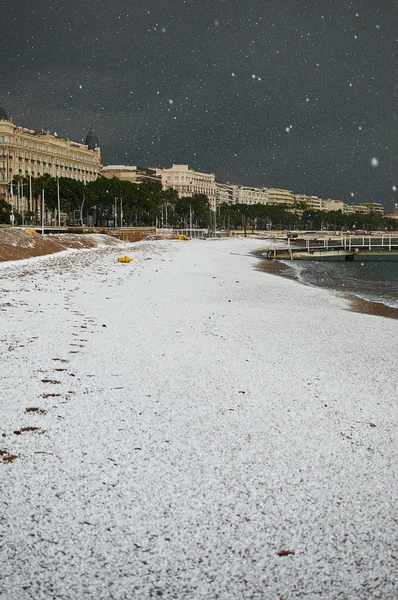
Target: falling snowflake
{"points": [[374, 162], [171, 101], [352, 194], [163, 29], [394, 188], [232, 74], [216, 23]]}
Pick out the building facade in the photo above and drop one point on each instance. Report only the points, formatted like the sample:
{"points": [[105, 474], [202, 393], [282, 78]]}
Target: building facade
{"points": [[368, 208], [329, 204], [250, 195], [132, 174], [188, 182], [30, 153], [240, 194], [311, 202]]}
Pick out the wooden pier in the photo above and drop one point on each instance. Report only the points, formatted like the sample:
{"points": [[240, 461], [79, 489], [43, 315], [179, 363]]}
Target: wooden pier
{"points": [[345, 247]]}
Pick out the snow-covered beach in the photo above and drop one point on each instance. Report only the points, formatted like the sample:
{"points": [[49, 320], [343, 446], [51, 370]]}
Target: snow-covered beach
{"points": [[205, 430]]}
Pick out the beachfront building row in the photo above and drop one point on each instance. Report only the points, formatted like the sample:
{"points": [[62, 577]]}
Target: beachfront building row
{"points": [[233, 194], [239, 194], [188, 182], [30, 153]]}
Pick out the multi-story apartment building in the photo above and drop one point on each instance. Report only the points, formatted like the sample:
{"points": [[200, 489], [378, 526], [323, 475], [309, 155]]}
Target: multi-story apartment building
{"points": [[32, 153], [250, 195], [240, 194], [276, 196], [123, 172], [369, 207], [132, 174], [311, 202], [225, 193], [328, 204], [188, 182]]}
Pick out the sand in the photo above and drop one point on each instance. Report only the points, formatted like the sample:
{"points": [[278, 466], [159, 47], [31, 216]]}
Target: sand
{"points": [[203, 430]]}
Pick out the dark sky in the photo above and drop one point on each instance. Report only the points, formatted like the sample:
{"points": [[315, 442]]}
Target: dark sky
{"points": [[297, 94]]}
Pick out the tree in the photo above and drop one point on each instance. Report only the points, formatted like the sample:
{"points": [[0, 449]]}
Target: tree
{"points": [[169, 201], [5, 211], [150, 198], [194, 208]]}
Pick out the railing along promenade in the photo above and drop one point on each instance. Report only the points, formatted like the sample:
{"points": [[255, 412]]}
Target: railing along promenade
{"points": [[346, 246]]}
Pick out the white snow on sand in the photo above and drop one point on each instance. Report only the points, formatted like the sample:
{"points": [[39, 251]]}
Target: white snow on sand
{"points": [[208, 417]]}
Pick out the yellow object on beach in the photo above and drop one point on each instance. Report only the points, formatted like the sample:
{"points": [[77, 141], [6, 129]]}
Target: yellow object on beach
{"points": [[124, 259], [181, 237], [31, 231]]}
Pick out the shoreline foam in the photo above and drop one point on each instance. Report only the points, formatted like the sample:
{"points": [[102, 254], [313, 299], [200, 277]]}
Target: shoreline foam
{"points": [[357, 304]]}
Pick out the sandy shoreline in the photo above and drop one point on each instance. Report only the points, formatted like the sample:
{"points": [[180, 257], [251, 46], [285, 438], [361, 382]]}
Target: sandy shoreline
{"points": [[16, 245], [357, 304], [201, 429]]}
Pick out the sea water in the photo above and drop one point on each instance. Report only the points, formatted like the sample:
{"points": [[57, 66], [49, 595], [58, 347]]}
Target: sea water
{"points": [[371, 278]]}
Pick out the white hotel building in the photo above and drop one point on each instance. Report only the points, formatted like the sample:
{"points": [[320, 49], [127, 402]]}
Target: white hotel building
{"points": [[27, 152], [188, 182]]}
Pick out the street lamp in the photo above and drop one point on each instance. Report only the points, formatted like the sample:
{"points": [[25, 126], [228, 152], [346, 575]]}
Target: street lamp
{"points": [[42, 211], [59, 202], [30, 190], [81, 210], [12, 217]]}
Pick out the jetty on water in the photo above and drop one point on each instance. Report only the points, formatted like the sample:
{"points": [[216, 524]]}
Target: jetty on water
{"points": [[346, 247]]}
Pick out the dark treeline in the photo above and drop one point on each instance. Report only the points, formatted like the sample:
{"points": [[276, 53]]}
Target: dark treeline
{"points": [[280, 217], [97, 202], [147, 204]]}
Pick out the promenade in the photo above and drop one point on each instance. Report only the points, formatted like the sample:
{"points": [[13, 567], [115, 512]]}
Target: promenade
{"points": [[187, 426]]}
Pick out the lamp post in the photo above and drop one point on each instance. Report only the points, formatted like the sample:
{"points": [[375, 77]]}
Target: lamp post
{"points": [[42, 211], [19, 196], [81, 210], [30, 191], [22, 203], [12, 217], [59, 202]]}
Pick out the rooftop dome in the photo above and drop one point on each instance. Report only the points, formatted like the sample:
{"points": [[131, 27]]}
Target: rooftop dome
{"points": [[92, 140]]}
